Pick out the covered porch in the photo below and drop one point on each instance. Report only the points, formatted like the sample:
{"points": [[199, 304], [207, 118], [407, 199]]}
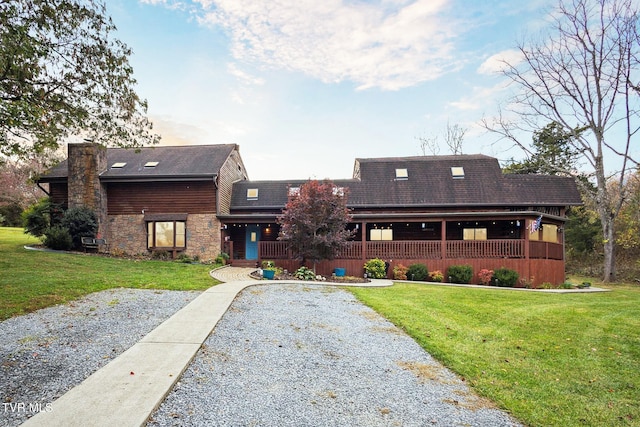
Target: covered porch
{"points": [[511, 242]]}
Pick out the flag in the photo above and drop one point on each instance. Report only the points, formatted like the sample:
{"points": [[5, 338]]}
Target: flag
{"points": [[535, 225]]}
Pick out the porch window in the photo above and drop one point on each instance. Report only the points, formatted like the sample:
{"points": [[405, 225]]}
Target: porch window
{"points": [[550, 233], [381, 234], [474, 234], [166, 234]]}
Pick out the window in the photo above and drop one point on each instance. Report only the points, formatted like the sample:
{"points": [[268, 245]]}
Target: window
{"points": [[402, 174], [457, 172], [252, 194], [118, 165], [381, 234], [166, 234], [550, 233], [151, 164], [474, 234]]}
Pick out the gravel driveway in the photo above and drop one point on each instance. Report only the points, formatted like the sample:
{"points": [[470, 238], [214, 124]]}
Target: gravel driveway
{"points": [[300, 355], [48, 352], [282, 355]]}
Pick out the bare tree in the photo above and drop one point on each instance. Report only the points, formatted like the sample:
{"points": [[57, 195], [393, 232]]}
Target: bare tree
{"points": [[453, 136], [583, 76]]}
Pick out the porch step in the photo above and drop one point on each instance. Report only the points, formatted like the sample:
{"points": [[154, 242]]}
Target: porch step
{"points": [[244, 263]]}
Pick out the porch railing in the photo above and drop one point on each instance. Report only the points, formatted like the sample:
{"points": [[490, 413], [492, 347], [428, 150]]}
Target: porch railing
{"points": [[499, 248], [430, 249]]}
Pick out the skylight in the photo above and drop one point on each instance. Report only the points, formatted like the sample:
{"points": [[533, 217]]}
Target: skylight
{"points": [[402, 173], [118, 165], [252, 194], [151, 164], [457, 172]]}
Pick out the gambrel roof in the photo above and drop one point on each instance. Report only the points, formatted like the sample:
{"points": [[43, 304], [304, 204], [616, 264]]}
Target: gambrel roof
{"points": [[427, 182]]}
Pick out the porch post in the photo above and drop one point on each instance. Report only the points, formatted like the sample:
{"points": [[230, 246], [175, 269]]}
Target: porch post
{"points": [[443, 239], [527, 252], [363, 241]]}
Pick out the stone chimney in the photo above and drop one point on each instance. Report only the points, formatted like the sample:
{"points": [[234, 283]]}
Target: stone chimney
{"points": [[86, 161]]}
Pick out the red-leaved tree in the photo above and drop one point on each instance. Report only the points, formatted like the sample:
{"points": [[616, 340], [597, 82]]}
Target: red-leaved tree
{"points": [[314, 221]]}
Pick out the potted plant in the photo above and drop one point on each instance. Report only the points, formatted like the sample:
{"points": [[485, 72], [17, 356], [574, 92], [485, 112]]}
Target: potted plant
{"points": [[268, 270]]}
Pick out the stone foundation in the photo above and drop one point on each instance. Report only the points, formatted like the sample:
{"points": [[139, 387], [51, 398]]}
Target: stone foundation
{"points": [[128, 234]]}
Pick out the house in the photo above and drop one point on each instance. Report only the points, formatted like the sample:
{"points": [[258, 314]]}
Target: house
{"points": [[435, 210], [153, 199]]}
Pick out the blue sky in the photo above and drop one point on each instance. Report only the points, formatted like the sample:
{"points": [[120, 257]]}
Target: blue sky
{"points": [[306, 86]]}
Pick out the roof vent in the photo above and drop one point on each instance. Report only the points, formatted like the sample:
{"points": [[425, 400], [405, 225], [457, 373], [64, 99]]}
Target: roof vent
{"points": [[118, 165], [457, 172], [151, 164]]}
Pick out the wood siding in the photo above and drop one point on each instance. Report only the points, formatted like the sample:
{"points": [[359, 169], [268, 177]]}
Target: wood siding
{"points": [[197, 197], [544, 265], [233, 170], [58, 193], [535, 271]]}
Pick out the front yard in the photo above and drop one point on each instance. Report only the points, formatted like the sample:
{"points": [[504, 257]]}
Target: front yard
{"points": [[549, 359]]}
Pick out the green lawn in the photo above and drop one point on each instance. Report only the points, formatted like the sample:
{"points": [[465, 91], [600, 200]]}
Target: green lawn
{"points": [[549, 359], [30, 280]]}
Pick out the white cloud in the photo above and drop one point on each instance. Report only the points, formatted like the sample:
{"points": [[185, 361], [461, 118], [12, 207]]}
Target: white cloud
{"points": [[479, 98], [496, 63], [389, 44], [244, 76]]}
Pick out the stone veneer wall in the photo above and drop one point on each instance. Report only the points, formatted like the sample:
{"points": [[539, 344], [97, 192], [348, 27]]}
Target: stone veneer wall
{"points": [[86, 161], [128, 234]]}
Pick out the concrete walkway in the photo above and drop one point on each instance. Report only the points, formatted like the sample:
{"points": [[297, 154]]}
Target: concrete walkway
{"points": [[127, 390]]}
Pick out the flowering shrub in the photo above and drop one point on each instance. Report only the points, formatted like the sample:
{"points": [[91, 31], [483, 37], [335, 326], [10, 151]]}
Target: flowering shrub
{"points": [[436, 276], [400, 272], [485, 276]]}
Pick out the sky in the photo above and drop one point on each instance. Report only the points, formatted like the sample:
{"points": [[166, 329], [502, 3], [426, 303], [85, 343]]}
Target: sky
{"points": [[305, 87]]}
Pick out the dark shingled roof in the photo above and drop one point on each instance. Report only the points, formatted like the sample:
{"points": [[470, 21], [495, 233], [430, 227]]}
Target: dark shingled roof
{"points": [[189, 161], [429, 183]]}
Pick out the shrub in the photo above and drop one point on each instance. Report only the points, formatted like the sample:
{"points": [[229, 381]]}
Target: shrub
{"points": [[375, 269], [58, 238], [81, 222], [460, 273], [222, 258], [436, 276], [417, 272], [485, 276], [400, 272], [506, 277], [304, 273], [11, 215], [39, 217]]}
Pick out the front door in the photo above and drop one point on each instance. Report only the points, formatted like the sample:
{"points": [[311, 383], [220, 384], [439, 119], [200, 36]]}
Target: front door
{"points": [[252, 239]]}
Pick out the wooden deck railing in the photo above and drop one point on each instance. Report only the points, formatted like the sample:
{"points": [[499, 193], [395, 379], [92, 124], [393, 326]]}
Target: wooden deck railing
{"points": [[409, 249], [546, 250], [499, 248], [430, 249]]}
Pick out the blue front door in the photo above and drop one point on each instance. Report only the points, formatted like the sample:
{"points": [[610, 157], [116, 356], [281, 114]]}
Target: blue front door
{"points": [[252, 239]]}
